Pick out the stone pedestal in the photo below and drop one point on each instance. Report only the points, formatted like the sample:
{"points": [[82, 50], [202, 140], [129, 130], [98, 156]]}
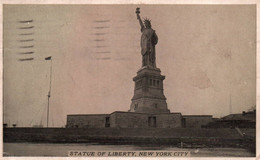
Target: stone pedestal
{"points": [[148, 93]]}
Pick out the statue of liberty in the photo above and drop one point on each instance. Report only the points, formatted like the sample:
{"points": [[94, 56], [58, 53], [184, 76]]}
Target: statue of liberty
{"points": [[148, 41]]}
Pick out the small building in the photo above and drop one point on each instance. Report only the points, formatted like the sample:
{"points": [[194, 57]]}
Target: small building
{"points": [[240, 120]]}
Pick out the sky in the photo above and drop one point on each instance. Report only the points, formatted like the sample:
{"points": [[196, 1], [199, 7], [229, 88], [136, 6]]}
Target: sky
{"points": [[206, 52]]}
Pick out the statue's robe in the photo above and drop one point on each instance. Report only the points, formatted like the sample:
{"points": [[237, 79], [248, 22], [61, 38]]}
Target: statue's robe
{"points": [[148, 41]]}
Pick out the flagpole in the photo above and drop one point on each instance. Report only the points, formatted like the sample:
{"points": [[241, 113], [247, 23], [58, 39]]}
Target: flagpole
{"points": [[49, 93]]}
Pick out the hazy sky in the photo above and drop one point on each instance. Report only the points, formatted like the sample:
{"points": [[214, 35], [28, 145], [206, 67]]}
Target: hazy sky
{"points": [[206, 52]]}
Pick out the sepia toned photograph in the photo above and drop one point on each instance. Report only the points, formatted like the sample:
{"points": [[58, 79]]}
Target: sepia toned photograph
{"points": [[129, 80]]}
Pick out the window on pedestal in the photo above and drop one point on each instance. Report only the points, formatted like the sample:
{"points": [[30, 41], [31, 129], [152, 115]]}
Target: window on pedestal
{"points": [[183, 122], [152, 122], [155, 105], [153, 82], [107, 124]]}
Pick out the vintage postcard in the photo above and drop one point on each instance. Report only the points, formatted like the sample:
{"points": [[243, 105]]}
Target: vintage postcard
{"points": [[129, 80]]}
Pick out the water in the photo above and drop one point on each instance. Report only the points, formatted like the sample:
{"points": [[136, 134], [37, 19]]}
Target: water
{"points": [[61, 150]]}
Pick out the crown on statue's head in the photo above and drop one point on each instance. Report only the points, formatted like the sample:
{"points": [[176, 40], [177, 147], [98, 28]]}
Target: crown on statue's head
{"points": [[147, 22]]}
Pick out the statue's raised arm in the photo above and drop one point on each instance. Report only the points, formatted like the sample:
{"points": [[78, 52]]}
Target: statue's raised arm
{"points": [[139, 18]]}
